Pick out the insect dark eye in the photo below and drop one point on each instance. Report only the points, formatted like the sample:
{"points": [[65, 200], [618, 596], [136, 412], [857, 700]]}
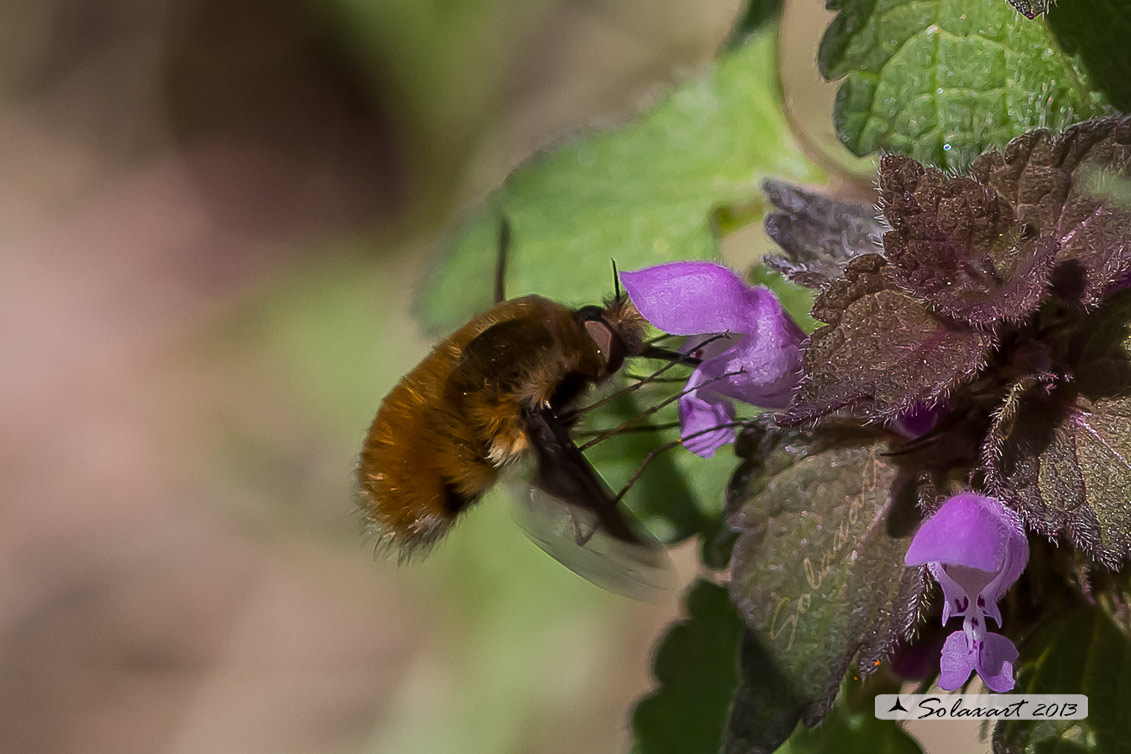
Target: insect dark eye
{"points": [[608, 343]]}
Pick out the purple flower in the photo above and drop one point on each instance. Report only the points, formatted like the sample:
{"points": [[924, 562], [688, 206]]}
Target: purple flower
{"points": [[758, 359], [975, 549], [917, 420]]}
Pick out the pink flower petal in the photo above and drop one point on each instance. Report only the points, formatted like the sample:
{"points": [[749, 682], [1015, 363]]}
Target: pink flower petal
{"points": [[691, 298], [764, 367], [968, 530], [699, 412], [956, 661], [994, 662]]}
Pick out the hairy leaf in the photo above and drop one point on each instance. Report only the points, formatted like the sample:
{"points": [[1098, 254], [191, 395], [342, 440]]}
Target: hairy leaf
{"points": [[817, 575], [1082, 652], [696, 665], [819, 235], [943, 80], [641, 194], [957, 244], [1062, 458], [1061, 185], [883, 350]]}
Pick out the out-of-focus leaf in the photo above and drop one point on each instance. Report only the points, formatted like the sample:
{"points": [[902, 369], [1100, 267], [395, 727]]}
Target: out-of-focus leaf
{"points": [[943, 80], [641, 194], [1096, 31], [766, 707], [679, 493], [662, 498], [819, 235], [846, 732], [1061, 186], [716, 543], [696, 665], [957, 245], [817, 575], [1064, 460], [883, 350], [415, 55], [755, 15], [1082, 652]]}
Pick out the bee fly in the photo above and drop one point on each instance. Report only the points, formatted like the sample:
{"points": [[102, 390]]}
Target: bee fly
{"points": [[500, 390]]}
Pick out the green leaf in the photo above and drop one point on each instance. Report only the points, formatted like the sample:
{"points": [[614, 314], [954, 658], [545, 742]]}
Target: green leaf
{"points": [[696, 665], [642, 194], [1097, 32], [766, 707], [662, 498], [942, 80], [1063, 460], [678, 494], [1082, 652], [755, 15], [817, 575], [851, 733]]}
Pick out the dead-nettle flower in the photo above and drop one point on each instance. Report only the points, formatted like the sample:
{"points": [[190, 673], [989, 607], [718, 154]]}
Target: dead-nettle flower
{"points": [[757, 360], [975, 549], [917, 420]]}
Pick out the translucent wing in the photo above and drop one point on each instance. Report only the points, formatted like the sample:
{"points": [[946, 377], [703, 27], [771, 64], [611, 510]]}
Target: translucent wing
{"points": [[567, 509]]}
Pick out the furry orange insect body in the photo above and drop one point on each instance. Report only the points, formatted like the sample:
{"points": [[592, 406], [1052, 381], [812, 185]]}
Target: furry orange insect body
{"points": [[474, 404]]}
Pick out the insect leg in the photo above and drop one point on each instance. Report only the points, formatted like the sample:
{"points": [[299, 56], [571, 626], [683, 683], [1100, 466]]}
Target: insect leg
{"points": [[502, 250], [571, 416], [656, 452]]}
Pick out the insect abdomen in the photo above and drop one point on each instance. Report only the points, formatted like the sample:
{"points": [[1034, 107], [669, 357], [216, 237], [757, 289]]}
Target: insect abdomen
{"points": [[419, 467]]}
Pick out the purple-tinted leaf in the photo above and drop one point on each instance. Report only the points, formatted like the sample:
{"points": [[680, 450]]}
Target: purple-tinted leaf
{"points": [[883, 350], [815, 571], [819, 235], [1062, 457], [1059, 185], [957, 245]]}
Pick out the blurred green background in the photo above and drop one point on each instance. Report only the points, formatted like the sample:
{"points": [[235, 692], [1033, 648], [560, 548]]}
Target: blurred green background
{"points": [[215, 217]]}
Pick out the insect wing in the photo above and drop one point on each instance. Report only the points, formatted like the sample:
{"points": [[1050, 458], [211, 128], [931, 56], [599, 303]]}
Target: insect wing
{"points": [[567, 509]]}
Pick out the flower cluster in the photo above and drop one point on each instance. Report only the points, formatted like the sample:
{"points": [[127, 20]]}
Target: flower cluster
{"points": [[751, 350]]}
